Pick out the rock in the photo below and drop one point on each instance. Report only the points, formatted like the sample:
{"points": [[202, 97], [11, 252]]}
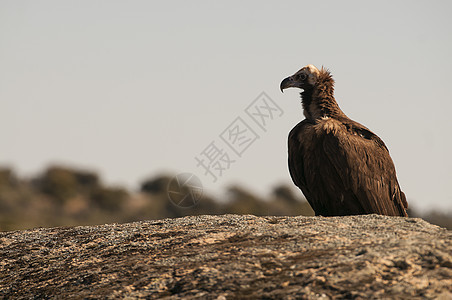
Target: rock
{"points": [[231, 256]]}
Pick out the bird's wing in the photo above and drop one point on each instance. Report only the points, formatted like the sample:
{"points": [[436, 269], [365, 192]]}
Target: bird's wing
{"points": [[316, 176], [296, 156], [365, 168]]}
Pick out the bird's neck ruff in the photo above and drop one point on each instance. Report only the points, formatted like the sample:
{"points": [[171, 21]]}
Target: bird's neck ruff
{"points": [[318, 101]]}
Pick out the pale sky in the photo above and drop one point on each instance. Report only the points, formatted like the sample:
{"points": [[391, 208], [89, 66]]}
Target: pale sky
{"points": [[135, 88]]}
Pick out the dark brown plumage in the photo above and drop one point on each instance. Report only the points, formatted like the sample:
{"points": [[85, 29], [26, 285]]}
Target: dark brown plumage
{"points": [[341, 166]]}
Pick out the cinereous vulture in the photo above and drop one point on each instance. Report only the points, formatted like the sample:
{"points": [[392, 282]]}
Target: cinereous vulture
{"points": [[341, 166]]}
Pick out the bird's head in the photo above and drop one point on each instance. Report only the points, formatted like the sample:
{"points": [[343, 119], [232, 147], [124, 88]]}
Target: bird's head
{"points": [[304, 79]]}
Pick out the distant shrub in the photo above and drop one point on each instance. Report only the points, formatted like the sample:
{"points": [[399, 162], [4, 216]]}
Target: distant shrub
{"points": [[87, 180], [62, 196], [156, 185], [109, 199], [241, 201], [59, 183], [7, 177], [62, 183]]}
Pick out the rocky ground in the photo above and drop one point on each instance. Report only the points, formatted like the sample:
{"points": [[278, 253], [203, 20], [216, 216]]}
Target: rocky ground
{"points": [[230, 257]]}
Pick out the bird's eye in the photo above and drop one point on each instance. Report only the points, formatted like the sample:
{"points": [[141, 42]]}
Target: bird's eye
{"points": [[302, 76]]}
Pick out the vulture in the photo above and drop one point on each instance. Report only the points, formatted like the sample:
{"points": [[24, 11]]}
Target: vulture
{"points": [[341, 166]]}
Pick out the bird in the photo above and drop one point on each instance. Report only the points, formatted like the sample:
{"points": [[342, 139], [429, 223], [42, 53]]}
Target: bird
{"points": [[341, 167]]}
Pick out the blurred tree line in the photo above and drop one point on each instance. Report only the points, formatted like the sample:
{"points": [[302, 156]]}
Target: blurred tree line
{"points": [[62, 196]]}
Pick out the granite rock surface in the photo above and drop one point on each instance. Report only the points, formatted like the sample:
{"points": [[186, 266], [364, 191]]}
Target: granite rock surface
{"points": [[230, 257]]}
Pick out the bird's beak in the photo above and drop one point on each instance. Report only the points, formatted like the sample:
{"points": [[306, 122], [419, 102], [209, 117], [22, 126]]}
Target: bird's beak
{"points": [[287, 83]]}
